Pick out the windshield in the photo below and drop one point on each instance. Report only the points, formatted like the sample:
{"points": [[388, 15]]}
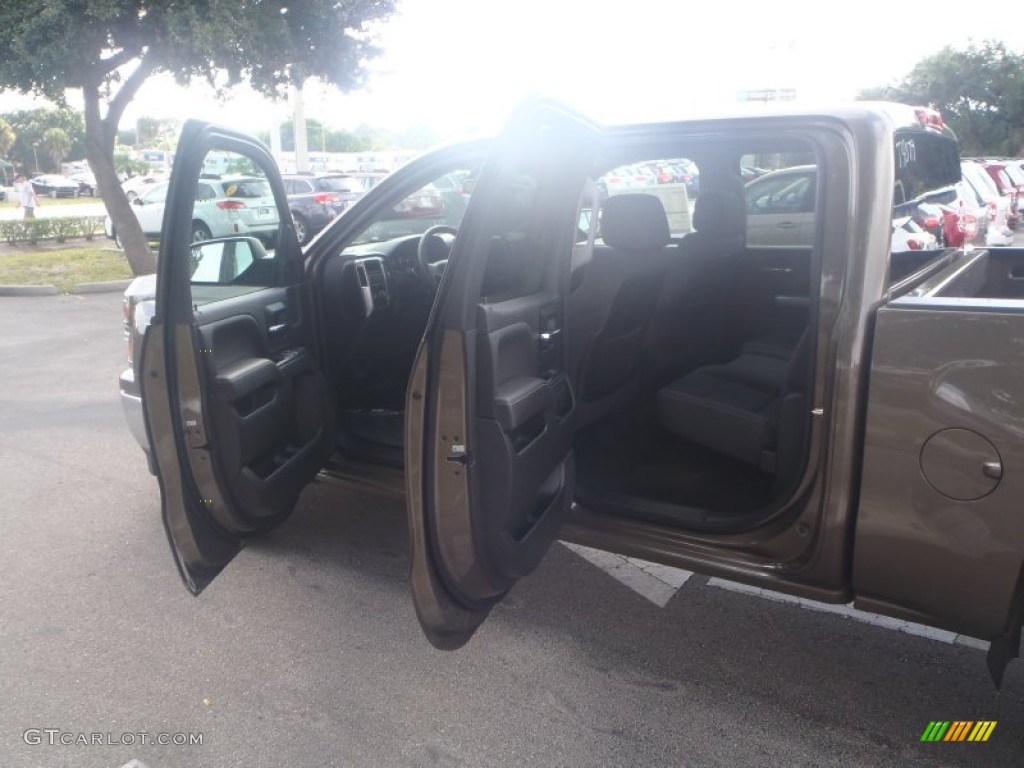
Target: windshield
{"points": [[980, 180], [442, 201], [1015, 174]]}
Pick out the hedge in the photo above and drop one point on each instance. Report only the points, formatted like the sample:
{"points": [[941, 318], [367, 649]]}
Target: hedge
{"points": [[59, 228]]}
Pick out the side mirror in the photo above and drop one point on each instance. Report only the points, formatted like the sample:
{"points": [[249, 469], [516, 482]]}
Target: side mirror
{"points": [[138, 201]]}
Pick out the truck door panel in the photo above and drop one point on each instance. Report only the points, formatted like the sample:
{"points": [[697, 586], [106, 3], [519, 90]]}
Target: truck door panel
{"points": [[939, 533]]}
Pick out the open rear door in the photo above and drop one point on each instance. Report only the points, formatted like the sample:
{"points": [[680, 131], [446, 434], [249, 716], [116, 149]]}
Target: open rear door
{"points": [[235, 404], [490, 408]]}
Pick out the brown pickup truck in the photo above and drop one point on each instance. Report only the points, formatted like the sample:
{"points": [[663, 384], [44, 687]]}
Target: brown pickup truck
{"points": [[619, 365]]}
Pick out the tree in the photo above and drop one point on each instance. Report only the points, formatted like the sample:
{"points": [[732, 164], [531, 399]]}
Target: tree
{"points": [[979, 91], [31, 125], [147, 129], [6, 137], [108, 48], [55, 143]]}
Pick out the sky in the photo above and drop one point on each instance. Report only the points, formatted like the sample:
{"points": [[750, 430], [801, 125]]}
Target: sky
{"points": [[460, 66]]}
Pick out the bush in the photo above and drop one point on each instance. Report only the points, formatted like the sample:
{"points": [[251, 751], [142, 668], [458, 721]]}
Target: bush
{"points": [[59, 228]]}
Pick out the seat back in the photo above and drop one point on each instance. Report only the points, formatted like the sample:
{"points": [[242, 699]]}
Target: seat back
{"points": [[690, 321], [613, 305]]}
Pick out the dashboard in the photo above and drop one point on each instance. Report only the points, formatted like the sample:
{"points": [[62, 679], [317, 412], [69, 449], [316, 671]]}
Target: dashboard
{"points": [[375, 304]]}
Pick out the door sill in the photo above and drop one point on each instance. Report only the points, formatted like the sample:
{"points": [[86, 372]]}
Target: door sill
{"points": [[363, 476]]}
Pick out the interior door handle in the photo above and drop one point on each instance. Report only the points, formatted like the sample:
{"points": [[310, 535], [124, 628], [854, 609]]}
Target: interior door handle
{"points": [[550, 335], [274, 330]]}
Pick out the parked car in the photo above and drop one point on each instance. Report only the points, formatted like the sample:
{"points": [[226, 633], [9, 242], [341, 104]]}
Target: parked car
{"points": [[825, 421], [224, 206], [86, 183], [908, 235], [311, 210], [136, 185], [965, 215], [996, 169], [1016, 173], [998, 205], [53, 185]]}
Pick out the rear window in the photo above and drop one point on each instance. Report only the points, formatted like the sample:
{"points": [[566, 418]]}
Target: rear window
{"points": [[1015, 174], [247, 188], [339, 184], [925, 161]]}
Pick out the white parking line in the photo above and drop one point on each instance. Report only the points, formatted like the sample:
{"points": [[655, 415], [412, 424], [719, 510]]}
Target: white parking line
{"points": [[657, 583], [849, 612]]}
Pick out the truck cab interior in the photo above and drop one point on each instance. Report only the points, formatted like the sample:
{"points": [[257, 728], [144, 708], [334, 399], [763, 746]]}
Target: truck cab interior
{"points": [[690, 350]]}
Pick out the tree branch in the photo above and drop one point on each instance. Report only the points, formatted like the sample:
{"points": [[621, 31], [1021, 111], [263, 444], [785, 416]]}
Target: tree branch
{"points": [[129, 88], [116, 60]]}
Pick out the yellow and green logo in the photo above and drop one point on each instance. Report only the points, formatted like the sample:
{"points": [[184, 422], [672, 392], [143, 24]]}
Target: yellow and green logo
{"points": [[958, 730]]}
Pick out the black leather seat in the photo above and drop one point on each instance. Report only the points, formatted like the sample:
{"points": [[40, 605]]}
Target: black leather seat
{"points": [[615, 301], [690, 324], [743, 408]]}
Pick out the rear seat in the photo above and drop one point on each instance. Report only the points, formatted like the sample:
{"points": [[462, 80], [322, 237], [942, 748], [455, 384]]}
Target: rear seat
{"points": [[740, 408]]}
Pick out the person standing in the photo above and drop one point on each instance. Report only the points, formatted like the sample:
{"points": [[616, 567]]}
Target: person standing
{"points": [[27, 196]]}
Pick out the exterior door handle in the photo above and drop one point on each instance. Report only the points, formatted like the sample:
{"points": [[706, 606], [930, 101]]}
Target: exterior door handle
{"points": [[787, 225]]}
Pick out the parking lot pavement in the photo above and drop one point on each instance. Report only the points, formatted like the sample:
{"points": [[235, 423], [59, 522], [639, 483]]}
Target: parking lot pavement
{"points": [[306, 650]]}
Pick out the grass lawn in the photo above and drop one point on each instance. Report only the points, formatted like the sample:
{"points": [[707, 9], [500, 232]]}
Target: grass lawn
{"points": [[63, 267], [46, 202]]}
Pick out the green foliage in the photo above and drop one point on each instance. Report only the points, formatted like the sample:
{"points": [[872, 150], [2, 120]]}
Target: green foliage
{"points": [[109, 48], [40, 132], [55, 143], [51, 45], [126, 165], [979, 91], [59, 228], [7, 137], [147, 129], [363, 139]]}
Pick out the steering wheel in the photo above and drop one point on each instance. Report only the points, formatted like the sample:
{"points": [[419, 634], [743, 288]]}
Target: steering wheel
{"points": [[432, 254]]}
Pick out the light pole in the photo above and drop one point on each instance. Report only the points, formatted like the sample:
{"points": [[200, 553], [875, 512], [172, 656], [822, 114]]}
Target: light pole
{"points": [[36, 158]]}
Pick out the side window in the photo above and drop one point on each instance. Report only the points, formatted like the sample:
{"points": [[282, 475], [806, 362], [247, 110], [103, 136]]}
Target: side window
{"points": [[204, 192], [235, 229], [787, 193]]}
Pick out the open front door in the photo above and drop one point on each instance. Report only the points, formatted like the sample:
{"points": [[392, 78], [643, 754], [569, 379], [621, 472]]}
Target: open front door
{"points": [[490, 408], [235, 403]]}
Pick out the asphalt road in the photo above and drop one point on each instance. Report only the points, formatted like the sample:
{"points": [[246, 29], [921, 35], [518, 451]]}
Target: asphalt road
{"points": [[306, 651]]}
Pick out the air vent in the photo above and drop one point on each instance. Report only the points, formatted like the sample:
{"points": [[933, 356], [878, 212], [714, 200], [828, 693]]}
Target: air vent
{"points": [[375, 287]]}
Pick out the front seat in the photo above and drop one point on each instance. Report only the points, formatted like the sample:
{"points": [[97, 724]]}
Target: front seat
{"points": [[615, 301]]}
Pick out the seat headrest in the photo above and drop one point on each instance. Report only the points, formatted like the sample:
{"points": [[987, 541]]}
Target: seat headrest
{"points": [[634, 222], [721, 210]]}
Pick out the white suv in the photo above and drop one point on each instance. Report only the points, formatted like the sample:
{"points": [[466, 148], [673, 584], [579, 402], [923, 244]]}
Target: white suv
{"points": [[235, 205]]}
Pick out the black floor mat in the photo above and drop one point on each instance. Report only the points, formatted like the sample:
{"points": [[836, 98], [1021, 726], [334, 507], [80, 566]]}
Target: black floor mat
{"points": [[642, 460]]}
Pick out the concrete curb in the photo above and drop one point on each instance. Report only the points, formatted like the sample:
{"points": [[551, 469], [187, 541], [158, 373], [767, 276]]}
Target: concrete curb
{"points": [[109, 286], [28, 290], [104, 287]]}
